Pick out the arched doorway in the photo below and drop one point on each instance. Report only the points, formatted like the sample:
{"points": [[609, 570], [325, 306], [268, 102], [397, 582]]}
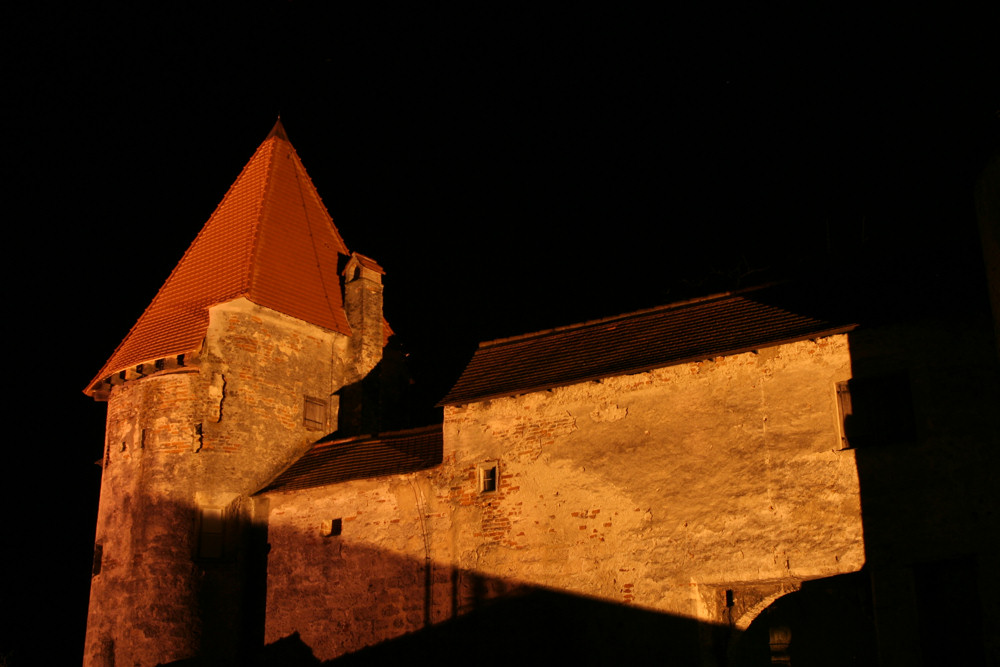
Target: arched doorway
{"points": [[828, 622]]}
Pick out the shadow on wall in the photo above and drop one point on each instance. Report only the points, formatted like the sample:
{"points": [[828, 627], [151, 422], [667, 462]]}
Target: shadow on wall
{"points": [[333, 596], [384, 400], [408, 608], [923, 422], [404, 607], [920, 416], [827, 623], [531, 626]]}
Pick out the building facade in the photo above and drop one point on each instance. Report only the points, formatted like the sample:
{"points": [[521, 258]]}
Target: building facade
{"points": [[700, 483]]}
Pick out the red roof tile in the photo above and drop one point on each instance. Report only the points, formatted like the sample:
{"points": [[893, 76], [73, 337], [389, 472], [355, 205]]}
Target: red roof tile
{"points": [[640, 341], [270, 240], [363, 457]]}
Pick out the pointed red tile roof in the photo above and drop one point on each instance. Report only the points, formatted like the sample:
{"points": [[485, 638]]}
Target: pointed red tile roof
{"points": [[270, 240]]}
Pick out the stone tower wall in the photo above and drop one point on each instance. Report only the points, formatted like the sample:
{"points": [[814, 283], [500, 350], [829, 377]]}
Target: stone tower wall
{"points": [[143, 591], [185, 449]]}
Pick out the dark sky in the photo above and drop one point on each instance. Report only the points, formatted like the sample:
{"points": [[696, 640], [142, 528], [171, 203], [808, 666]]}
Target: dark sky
{"points": [[511, 168]]}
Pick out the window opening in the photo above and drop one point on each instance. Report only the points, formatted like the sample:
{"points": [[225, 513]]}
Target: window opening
{"points": [[332, 527], [314, 413], [489, 477]]}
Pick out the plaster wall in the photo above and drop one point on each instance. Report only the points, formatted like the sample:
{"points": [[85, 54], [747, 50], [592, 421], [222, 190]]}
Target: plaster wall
{"points": [[665, 489], [659, 490]]}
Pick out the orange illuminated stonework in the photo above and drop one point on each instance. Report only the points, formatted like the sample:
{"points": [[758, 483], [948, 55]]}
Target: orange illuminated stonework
{"points": [[689, 484]]}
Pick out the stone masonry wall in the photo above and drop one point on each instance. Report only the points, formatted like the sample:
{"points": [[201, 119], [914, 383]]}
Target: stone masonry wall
{"points": [[373, 581], [144, 587], [258, 367], [202, 436], [664, 489], [659, 490]]}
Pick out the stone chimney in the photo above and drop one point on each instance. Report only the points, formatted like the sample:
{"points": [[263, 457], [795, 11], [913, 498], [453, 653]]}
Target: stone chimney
{"points": [[363, 303]]}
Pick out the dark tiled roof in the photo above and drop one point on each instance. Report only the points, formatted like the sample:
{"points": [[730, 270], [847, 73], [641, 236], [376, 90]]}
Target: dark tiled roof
{"points": [[362, 457], [270, 240], [639, 341]]}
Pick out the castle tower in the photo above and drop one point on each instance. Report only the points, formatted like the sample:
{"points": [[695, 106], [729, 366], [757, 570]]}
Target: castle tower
{"points": [[230, 373]]}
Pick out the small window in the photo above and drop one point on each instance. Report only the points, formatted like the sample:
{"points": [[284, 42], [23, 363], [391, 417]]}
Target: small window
{"points": [[876, 411], [314, 413], [489, 477], [332, 527], [211, 533]]}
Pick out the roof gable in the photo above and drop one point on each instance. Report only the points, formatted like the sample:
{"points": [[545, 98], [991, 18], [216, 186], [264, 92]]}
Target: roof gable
{"points": [[270, 240]]}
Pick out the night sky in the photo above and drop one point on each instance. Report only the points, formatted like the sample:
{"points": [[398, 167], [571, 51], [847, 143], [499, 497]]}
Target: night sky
{"points": [[512, 169]]}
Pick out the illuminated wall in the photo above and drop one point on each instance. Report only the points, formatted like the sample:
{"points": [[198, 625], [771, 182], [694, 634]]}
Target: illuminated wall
{"points": [[703, 491]]}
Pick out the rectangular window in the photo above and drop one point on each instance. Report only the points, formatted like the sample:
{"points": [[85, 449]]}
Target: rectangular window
{"points": [[489, 477], [314, 413], [332, 527], [876, 411]]}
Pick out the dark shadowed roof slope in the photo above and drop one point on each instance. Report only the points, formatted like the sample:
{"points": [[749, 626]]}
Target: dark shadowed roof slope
{"points": [[270, 240], [635, 342], [362, 457]]}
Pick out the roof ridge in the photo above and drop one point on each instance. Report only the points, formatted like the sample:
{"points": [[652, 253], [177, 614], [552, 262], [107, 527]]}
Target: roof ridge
{"points": [[250, 276], [718, 296], [323, 279], [278, 131]]}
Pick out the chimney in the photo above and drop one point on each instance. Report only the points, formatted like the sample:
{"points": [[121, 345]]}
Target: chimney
{"points": [[363, 303]]}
